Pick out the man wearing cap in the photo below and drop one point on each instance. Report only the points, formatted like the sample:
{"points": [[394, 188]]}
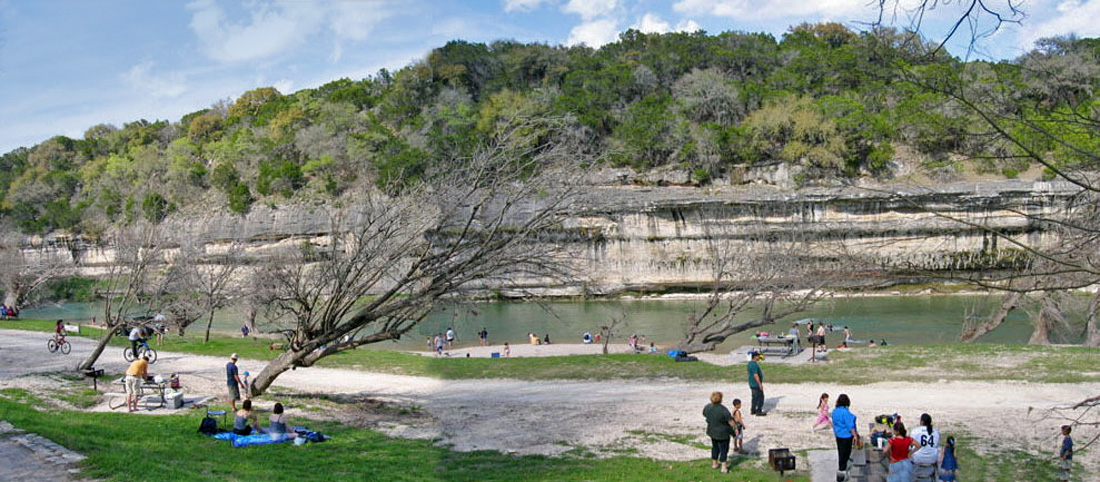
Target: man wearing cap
{"points": [[233, 381], [135, 375], [756, 385]]}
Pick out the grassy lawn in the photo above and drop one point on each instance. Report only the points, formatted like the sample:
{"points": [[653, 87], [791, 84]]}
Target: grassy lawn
{"points": [[130, 448], [1000, 465], [864, 365]]}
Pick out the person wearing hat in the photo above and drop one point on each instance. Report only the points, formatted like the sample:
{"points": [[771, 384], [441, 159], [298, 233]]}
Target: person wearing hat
{"points": [[233, 381], [756, 385]]}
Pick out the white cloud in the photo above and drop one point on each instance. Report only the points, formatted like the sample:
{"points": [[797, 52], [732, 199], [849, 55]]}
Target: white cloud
{"points": [[1073, 17], [1068, 5], [770, 9], [140, 78], [522, 5], [651, 23], [688, 26], [594, 34], [589, 9], [274, 29]]}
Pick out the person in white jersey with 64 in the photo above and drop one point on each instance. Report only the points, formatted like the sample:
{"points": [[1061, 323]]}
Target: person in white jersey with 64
{"points": [[928, 439]]}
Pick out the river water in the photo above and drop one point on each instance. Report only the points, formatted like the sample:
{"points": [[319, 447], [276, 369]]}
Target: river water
{"points": [[907, 320]]}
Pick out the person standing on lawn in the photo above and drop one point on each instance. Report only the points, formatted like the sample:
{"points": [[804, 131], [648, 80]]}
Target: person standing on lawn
{"points": [[233, 381], [719, 429], [756, 385]]}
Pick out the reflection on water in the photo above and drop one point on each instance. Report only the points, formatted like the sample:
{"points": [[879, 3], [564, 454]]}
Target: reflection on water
{"points": [[898, 319]]}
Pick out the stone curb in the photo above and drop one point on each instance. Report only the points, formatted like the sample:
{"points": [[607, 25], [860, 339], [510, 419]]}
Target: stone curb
{"points": [[40, 446]]}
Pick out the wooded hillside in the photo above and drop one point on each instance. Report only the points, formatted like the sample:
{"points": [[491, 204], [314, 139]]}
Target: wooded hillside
{"points": [[837, 103]]}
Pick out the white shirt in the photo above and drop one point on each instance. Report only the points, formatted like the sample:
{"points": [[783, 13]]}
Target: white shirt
{"points": [[135, 334], [929, 451]]}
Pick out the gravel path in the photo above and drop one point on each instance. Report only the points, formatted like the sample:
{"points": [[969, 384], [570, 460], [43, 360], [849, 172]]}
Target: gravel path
{"points": [[649, 416]]}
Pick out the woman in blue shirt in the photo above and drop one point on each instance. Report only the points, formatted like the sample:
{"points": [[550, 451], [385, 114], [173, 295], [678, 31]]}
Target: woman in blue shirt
{"points": [[844, 427]]}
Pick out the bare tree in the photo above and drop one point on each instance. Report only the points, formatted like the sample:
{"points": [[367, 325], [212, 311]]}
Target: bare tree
{"points": [[766, 275], [974, 20], [138, 251], [26, 273], [610, 329], [200, 282], [388, 259], [975, 327], [1046, 118], [1059, 131]]}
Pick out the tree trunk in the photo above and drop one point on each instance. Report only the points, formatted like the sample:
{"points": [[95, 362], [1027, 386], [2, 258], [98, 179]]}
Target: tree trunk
{"points": [[102, 345], [1008, 303], [10, 298], [274, 368], [209, 322], [250, 319], [1043, 322], [1092, 328]]}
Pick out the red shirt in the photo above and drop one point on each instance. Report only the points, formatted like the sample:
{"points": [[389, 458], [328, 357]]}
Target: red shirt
{"points": [[899, 448]]}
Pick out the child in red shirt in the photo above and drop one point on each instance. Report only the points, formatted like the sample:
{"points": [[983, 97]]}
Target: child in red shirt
{"points": [[900, 447]]}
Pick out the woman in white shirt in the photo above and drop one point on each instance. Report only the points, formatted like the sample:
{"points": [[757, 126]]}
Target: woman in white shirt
{"points": [[928, 440]]}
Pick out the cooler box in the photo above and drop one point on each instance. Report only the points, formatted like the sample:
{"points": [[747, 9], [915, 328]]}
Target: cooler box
{"points": [[495, 354], [174, 399]]}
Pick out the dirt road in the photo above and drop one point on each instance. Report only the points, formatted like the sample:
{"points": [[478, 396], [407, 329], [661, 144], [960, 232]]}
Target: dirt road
{"points": [[651, 417]]}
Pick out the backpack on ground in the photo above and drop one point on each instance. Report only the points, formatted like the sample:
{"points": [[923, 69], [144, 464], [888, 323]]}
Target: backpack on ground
{"points": [[311, 436], [209, 426]]}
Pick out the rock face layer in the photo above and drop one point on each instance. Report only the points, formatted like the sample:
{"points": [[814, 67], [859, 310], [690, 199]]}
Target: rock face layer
{"points": [[661, 238]]}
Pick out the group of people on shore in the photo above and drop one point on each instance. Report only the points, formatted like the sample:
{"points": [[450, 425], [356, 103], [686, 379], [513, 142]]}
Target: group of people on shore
{"points": [[245, 421], [443, 340], [920, 451], [923, 451], [8, 312]]}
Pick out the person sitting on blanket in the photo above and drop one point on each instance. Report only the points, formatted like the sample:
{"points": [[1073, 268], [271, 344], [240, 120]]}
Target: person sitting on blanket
{"points": [[245, 421], [278, 427]]}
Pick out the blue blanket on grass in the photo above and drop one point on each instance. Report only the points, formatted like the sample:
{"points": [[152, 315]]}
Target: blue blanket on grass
{"points": [[250, 440]]}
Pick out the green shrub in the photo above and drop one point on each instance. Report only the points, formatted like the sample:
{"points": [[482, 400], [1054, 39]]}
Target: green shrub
{"points": [[71, 289], [155, 207], [240, 198]]}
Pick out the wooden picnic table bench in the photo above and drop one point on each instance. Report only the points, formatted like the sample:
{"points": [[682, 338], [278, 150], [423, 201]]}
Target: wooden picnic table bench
{"points": [[787, 343]]}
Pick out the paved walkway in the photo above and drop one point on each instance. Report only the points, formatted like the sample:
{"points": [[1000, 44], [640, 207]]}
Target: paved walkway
{"points": [[28, 457]]}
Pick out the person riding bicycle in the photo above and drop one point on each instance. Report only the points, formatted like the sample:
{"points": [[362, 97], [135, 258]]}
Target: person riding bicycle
{"points": [[135, 340], [59, 332]]}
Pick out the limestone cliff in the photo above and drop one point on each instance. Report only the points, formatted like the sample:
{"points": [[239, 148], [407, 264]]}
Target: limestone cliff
{"points": [[656, 238]]}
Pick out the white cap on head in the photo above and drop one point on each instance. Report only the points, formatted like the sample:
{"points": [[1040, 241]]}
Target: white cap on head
{"points": [[233, 356]]}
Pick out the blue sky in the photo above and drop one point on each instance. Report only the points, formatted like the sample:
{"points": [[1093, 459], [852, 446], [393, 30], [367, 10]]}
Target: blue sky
{"points": [[68, 65]]}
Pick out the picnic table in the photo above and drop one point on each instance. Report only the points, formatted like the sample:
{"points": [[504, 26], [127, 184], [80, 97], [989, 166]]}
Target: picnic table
{"points": [[150, 383], [787, 344]]}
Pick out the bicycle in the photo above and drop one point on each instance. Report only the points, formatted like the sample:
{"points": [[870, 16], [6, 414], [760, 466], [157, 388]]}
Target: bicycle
{"points": [[61, 344], [143, 348]]}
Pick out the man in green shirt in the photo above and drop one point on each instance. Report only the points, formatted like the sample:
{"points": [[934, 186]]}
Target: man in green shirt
{"points": [[756, 384]]}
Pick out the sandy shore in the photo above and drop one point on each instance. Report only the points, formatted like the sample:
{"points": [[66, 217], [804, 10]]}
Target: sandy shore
{"points": [[734, 357]]}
